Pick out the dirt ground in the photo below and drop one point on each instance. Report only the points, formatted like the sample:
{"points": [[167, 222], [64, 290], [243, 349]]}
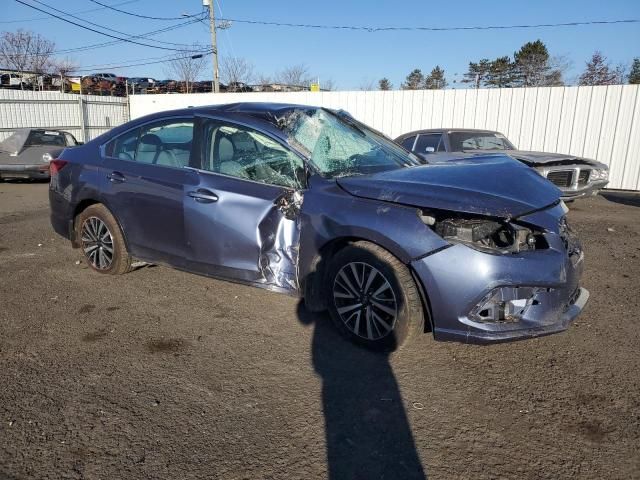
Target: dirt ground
{"points": [[163, 374]]}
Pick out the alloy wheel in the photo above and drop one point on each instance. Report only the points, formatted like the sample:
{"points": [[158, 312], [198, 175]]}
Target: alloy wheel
{"points": [[365, 300], [97, 243]]}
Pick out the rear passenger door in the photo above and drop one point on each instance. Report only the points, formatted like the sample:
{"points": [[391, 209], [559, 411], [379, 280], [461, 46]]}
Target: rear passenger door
{"points": [[145, 179]]}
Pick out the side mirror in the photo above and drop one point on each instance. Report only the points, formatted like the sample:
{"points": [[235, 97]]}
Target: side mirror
{"points": [[429, 150]]}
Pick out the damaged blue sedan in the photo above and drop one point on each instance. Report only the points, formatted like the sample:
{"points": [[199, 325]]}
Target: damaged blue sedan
{"points": [[310, 202]]}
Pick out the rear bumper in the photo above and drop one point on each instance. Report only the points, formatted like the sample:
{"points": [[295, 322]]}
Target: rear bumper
{"points": [[61, 215], [458, 279], [35, 172]]}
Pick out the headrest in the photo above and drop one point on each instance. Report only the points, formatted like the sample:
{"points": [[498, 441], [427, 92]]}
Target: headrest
{"points": [[225, 150], [150, 139]]}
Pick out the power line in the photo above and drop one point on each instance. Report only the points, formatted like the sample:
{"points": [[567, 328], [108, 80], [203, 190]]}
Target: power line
{"points": [[114, 42], [111, 7], [97, 31], [168, 59], [98, 25], [428, 29], [143, 35], [80, 12]]}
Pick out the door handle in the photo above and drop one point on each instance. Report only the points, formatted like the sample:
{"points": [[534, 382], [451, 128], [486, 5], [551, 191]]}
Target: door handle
{"points": [[203, 196], [116, 177]]}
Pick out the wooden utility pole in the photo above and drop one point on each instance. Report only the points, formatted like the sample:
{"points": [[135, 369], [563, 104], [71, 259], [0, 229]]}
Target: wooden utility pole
{"points": [[214, 47]]}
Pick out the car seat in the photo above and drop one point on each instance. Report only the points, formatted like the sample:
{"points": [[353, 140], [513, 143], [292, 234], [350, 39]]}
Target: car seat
{"points": [[149, 148], [226, 154]]}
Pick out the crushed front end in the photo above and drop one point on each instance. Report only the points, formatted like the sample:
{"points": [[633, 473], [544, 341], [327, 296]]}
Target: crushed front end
{"points": [[503, 280]]}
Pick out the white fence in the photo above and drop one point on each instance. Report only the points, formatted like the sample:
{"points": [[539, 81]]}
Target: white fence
{"points": [[596, 122], [85, 116]]}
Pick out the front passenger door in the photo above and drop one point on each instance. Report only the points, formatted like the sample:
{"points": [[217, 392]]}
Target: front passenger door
{"points": [[235, 226]]}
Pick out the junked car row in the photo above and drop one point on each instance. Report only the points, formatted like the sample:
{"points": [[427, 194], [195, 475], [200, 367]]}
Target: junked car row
{"points": [[311, 202]]}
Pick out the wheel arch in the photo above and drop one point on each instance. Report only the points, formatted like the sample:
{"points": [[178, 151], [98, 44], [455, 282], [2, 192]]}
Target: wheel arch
{"points": [[314, 283], [81, 206]]}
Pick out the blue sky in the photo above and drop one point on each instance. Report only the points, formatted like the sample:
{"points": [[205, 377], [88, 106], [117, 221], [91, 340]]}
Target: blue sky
{"points": [[350, 58]]}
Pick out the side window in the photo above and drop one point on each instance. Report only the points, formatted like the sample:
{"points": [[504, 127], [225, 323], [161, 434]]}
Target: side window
{"points": [[408, 142], [124, 146], [242, 152], [70, 140], [430, 141], [167, 143]]}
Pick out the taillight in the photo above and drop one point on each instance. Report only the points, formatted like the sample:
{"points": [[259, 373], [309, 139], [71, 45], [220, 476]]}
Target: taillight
{"points": [[56, 165]]}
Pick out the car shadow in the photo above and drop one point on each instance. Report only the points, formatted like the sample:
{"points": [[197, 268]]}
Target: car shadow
{"points": [[625, 198], [366, 427]]}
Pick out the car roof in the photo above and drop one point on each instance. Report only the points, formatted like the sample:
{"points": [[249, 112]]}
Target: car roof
{"points": [[445, 130], [261, 114]]}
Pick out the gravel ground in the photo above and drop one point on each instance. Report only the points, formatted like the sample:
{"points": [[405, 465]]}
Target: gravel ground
{"points": [[162, 374]]}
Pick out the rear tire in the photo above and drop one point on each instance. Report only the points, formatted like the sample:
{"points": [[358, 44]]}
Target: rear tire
{"points": [[102, 241], [372, 297]]}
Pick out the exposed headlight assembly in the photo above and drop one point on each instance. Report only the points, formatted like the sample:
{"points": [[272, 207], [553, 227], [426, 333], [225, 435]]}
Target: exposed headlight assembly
{"points": [[488, 235], [598, 174]]}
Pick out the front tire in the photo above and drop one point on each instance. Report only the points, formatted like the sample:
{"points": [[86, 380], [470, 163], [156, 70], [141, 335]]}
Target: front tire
{"points": [[373, 299], [102, 241]]}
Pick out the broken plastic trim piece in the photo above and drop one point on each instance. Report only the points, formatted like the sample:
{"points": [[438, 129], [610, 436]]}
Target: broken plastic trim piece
{"points": [[504, 305]]}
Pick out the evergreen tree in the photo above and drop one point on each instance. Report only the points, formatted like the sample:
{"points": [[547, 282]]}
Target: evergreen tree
{"points": [[435, 80], [385, 84], [598, 72], [533, 66], [501, 73], [634, 75], [477, 73], [414, 80]]}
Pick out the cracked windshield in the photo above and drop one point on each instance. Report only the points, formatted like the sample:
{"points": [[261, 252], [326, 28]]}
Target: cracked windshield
{"points": [[342, 147]]}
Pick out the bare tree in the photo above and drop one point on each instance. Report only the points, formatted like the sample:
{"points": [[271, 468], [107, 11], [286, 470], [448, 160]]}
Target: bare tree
{"points": [[186, 67], [25, 51], [62, 68], [367, 84], [296, 75], [328, 84], [263, 80], [234, 70]]}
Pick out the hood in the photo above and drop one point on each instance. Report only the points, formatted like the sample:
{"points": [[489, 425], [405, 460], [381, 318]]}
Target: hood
{"points": [[541, 158], [493, 185]]}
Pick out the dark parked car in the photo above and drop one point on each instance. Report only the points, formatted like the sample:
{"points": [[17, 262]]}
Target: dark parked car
{"points": [[141, 84], [307, 201], [575, 176], [26, 153]]}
